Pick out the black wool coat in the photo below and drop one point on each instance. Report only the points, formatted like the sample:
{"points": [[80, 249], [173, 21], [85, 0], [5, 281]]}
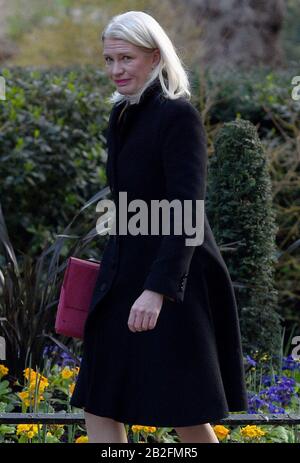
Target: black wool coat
{"points": [[188, 370]]}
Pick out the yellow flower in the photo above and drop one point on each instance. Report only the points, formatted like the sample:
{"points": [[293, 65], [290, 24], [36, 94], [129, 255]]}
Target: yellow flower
{"points": [[35, 379], [22, 428], [66, 373], [221, 431], [24, 396], [137, 428], [43, 380], [27, 398], [29, 373], [82, 440], [149, 428], [30, 429], [252, 432], [39, 384], [3, 370]]}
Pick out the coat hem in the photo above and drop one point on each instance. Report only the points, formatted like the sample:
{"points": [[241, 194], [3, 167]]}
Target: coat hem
{"points": [[137, 421]]}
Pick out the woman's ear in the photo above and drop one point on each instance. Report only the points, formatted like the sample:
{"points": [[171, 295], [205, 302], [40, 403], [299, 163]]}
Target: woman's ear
{"points": [[156, 57]]}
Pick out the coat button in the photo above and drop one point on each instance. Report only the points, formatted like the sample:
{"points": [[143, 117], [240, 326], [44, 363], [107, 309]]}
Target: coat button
{"points": [[103, 286]]}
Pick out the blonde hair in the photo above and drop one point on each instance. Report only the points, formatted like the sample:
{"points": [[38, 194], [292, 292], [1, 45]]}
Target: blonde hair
{"points": [[143, 30]]}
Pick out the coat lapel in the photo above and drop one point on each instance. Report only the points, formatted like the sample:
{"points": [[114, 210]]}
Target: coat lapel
{"points": [[119, 130], [112, 144]]}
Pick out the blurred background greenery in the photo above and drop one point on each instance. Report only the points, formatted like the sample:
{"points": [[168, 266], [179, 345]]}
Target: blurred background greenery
{"points": [[66, 32]]}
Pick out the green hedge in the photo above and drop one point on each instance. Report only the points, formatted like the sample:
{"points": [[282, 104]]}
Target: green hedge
{"points": [[240, 208], [52, 149], [263, 96], [255, 95]]}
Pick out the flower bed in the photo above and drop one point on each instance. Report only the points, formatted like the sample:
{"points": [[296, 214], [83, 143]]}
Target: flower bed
{"points": [[49, 392]]}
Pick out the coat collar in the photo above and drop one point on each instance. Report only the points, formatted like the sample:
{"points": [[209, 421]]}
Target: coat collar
{"points": [[153, 89], [131, 111]]}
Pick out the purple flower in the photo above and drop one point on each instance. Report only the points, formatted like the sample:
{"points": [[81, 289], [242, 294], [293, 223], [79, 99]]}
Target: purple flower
{"points": [[278, 393], [288, 363], [279, 389], [274, 409], [62, 358], [255, 403], [250, 361]]}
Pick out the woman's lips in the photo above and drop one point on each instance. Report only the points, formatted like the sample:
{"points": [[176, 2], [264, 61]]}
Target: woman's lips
{"points": [[122, 82]]}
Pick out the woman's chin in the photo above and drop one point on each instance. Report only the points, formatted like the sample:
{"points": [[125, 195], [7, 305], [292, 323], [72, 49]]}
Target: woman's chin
{"points": [[126, 90]]}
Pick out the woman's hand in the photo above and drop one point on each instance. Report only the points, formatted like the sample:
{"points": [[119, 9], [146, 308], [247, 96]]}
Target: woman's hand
{"points": [[145, 311]]}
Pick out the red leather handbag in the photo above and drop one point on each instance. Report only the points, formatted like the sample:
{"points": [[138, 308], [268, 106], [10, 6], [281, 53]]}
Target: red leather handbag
{"points": [[76, 296]]}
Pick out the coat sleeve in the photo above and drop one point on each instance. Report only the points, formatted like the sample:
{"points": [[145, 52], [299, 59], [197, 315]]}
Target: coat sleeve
{"points": [[184, 157]]}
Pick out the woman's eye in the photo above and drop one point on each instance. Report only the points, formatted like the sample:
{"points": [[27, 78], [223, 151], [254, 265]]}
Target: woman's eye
{"points": [[108, 59]]}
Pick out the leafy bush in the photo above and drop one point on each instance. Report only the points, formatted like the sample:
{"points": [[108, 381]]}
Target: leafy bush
{"points": [[263, 97], [52, 150], [240, 207]]}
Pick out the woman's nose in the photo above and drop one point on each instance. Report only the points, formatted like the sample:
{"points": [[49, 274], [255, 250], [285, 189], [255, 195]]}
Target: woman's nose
{"points": [[117, 69]]}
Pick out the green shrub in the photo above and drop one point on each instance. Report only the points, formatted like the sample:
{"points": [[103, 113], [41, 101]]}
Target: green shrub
{"points": [[52, 150], [263, 96], [240, 208]]}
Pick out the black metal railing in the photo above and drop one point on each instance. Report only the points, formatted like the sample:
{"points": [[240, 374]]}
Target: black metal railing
{"points": [[290, 419]]}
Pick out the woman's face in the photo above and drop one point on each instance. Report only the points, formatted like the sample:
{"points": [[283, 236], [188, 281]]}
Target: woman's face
{"points": [[127, 65]]}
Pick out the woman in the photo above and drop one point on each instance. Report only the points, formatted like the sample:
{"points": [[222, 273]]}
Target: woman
{"points": [[162, 343]]}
